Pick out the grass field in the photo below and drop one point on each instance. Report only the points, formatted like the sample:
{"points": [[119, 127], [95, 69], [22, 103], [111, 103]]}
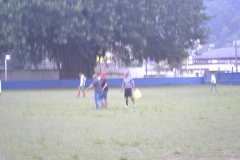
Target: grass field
{"points": [[171, 122]]}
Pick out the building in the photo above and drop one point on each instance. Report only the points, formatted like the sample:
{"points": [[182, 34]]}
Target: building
{"points": [[221, 60]]}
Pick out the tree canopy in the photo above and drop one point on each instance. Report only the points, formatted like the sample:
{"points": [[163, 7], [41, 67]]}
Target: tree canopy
{"points": [[73, 33]]}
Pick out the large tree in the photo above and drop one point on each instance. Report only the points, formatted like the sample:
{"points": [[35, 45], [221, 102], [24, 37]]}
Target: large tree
{"points": [[180, 24], [73, 33]]}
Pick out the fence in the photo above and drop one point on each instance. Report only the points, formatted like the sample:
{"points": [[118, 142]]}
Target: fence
{"points": [[29, 75], [224, 78], [112, 83]]}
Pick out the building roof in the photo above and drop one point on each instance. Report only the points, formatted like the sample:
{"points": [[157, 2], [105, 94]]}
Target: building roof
{"points": [[222, 53]]}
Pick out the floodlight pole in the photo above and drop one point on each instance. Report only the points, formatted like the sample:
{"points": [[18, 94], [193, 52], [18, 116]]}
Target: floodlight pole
{"points": [[187, 66], [7, 57], [6, 70], [236, 56]]}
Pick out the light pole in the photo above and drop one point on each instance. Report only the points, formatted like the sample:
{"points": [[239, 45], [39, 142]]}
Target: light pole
{"points": [[235, 44], [187, 65], [7, 57]]}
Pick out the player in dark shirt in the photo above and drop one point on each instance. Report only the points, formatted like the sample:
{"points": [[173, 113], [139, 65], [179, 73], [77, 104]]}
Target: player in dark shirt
{"points": [[97, 85], [104, 88]]}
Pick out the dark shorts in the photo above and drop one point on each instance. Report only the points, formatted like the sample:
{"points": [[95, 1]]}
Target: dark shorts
{"points": [[104, 95], [128, 92]]}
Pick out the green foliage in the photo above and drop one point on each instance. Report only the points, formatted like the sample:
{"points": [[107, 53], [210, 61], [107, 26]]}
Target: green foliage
{"points": [[225, 24], [74, 32]]}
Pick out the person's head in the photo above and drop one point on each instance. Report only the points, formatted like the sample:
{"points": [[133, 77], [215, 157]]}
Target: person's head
{"points": [[80, 73], [126, 75], [94, 76], [103, 74]]}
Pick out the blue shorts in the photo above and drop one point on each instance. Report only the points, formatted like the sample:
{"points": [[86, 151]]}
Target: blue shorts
{"points": [[104, 95]]}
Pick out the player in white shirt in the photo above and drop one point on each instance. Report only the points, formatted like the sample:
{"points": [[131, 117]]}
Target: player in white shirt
{"points": [[213, 82], [82, 84]]}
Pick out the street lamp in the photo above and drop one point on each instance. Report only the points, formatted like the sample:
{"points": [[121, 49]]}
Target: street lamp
{"points": [[236, 43], [7, 57]]}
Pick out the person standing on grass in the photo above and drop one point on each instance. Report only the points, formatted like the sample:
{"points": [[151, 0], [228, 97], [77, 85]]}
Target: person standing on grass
{"points": [[104, 88], [81, 85], [97, 85], [213, 82], [128, 86]]}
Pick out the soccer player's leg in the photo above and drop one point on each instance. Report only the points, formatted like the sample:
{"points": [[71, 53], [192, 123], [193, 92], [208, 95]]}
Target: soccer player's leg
{"points": [[104, 96], [96, 99], [83, 90], [78, 91], [126, 96], [131, 95], [101, 101], [212, 86], [106, 100]]}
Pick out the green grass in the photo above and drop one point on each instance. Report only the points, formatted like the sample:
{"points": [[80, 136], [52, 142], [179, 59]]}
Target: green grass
{"points": [[171, 122]]}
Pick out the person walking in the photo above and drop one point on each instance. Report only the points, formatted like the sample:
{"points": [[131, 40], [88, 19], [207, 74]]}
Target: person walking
{"points": [[97, 85], [128, 86], [104, 89], [213, 82], [81, 85]]}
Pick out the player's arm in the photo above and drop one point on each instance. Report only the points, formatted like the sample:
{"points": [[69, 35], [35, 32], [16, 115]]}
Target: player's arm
{"points": [[106, 84], [91, 86], [122, 87], [133, 86]]}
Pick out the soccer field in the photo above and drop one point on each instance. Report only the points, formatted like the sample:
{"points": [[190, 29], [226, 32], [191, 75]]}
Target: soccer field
{"points": [[170, 122]]}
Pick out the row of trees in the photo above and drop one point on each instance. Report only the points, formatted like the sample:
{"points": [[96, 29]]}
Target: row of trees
{"points": [[74, 32]]}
